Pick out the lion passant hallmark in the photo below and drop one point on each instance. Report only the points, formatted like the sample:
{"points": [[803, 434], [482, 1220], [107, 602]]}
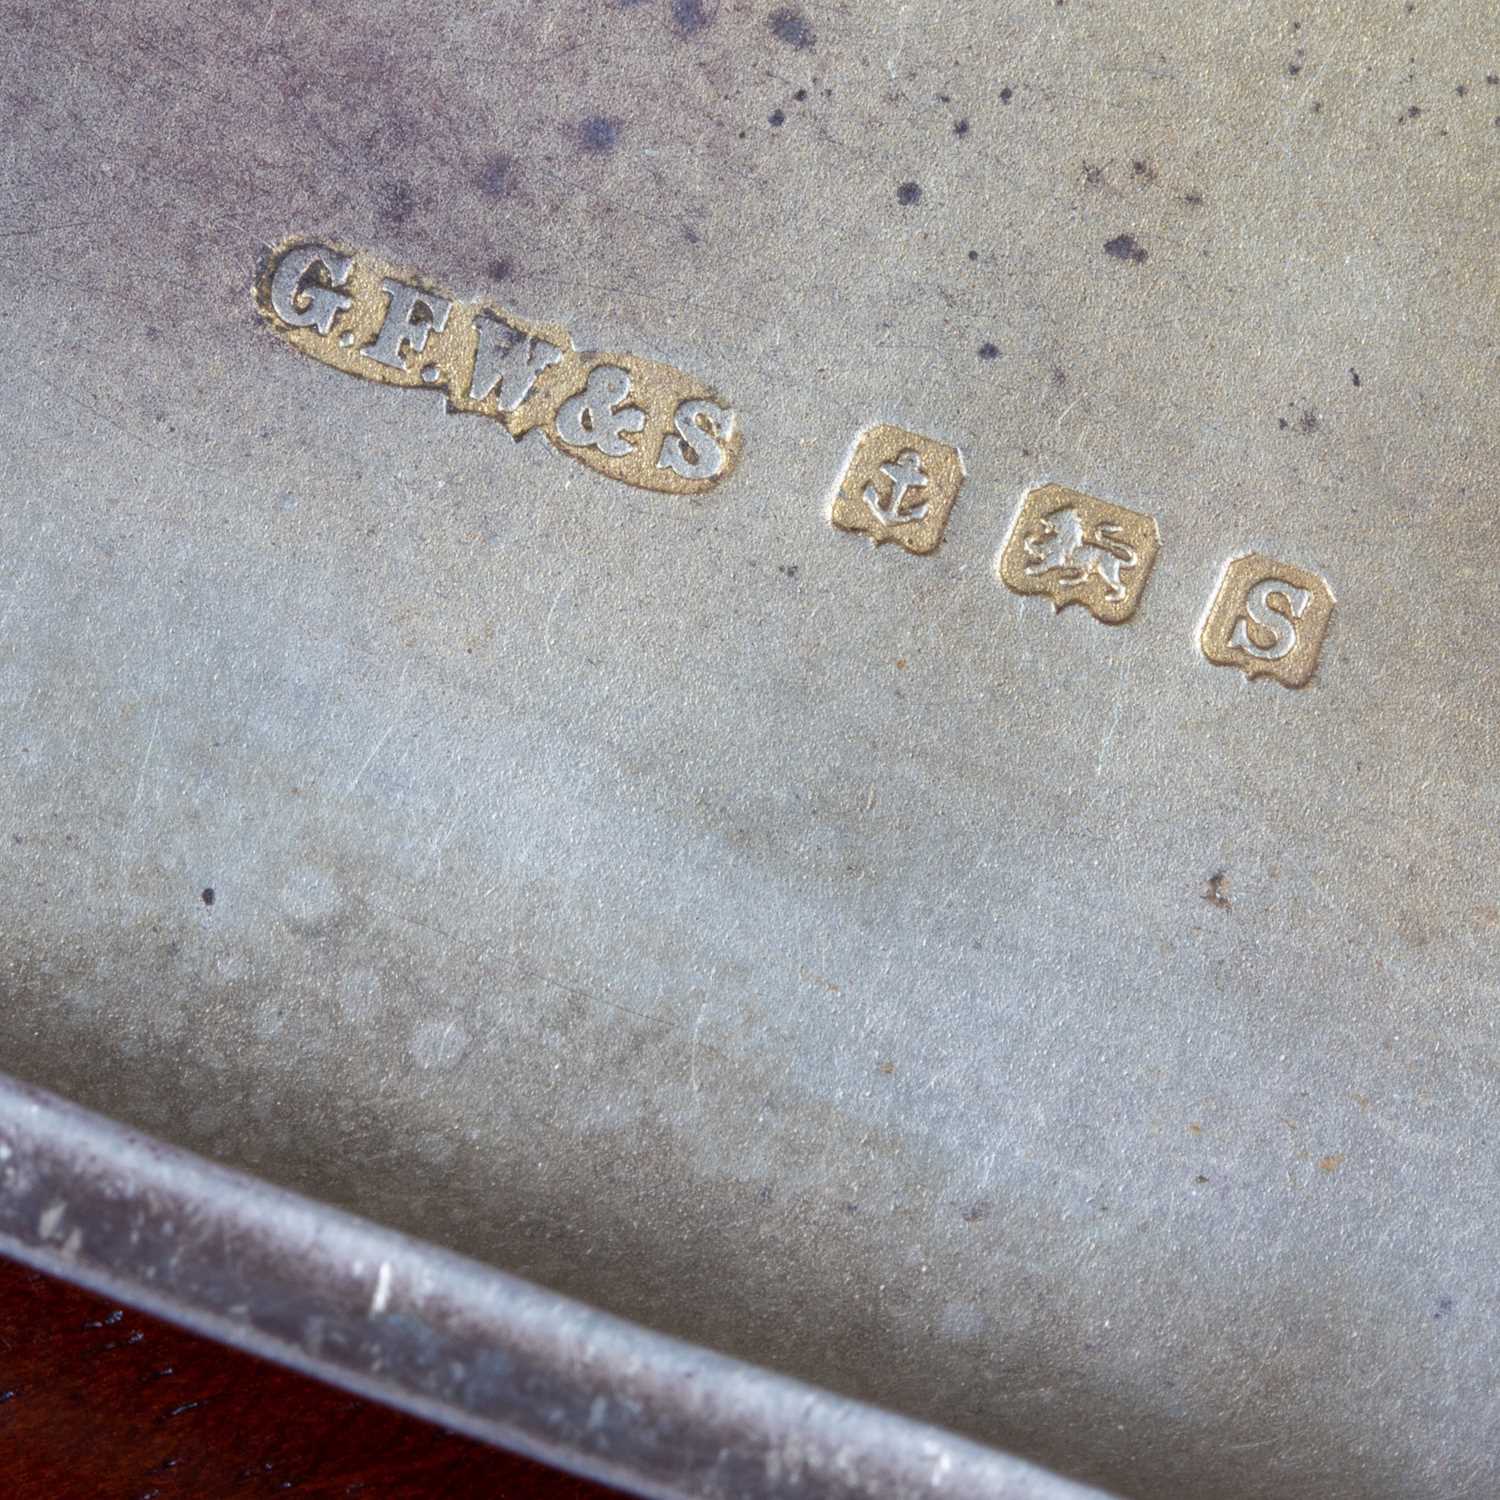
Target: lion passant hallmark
{"points": [[1074, 549], [636, 420]]}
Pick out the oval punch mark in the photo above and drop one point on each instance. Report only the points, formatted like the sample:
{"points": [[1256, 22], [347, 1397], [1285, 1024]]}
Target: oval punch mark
{"points": [[637, 420]]}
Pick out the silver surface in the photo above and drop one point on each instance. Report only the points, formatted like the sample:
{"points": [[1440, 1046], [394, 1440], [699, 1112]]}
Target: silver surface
{"points": [[798, 947], [453, 1341]]}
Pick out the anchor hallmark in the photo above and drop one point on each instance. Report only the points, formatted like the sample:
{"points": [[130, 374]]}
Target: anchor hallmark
{"points": [[898, 486], [905, 473]]}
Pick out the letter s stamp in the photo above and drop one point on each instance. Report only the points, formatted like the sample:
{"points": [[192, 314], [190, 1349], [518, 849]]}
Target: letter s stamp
{"points": [[1268, 618]]}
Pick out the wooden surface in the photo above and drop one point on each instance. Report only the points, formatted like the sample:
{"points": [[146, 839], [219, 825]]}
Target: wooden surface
{"points": [[98, 1402]]}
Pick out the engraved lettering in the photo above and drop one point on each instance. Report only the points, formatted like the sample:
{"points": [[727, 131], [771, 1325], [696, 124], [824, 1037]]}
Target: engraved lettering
{"points": [[597, 416], [508, 359], [402, 328], [695, 452], [635, 420], [301, 303]]}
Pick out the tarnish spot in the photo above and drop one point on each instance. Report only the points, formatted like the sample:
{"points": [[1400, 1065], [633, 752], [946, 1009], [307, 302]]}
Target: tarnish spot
{"points": [[645, 423]]}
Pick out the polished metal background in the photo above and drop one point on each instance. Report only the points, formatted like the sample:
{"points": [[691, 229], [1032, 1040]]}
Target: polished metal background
{"points": [[798, 947]]}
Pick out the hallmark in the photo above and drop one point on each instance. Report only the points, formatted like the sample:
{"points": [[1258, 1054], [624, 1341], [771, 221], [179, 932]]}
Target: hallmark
{"points": [[898, 486], [1268, 619], [1074, 549], [633, 419]]}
